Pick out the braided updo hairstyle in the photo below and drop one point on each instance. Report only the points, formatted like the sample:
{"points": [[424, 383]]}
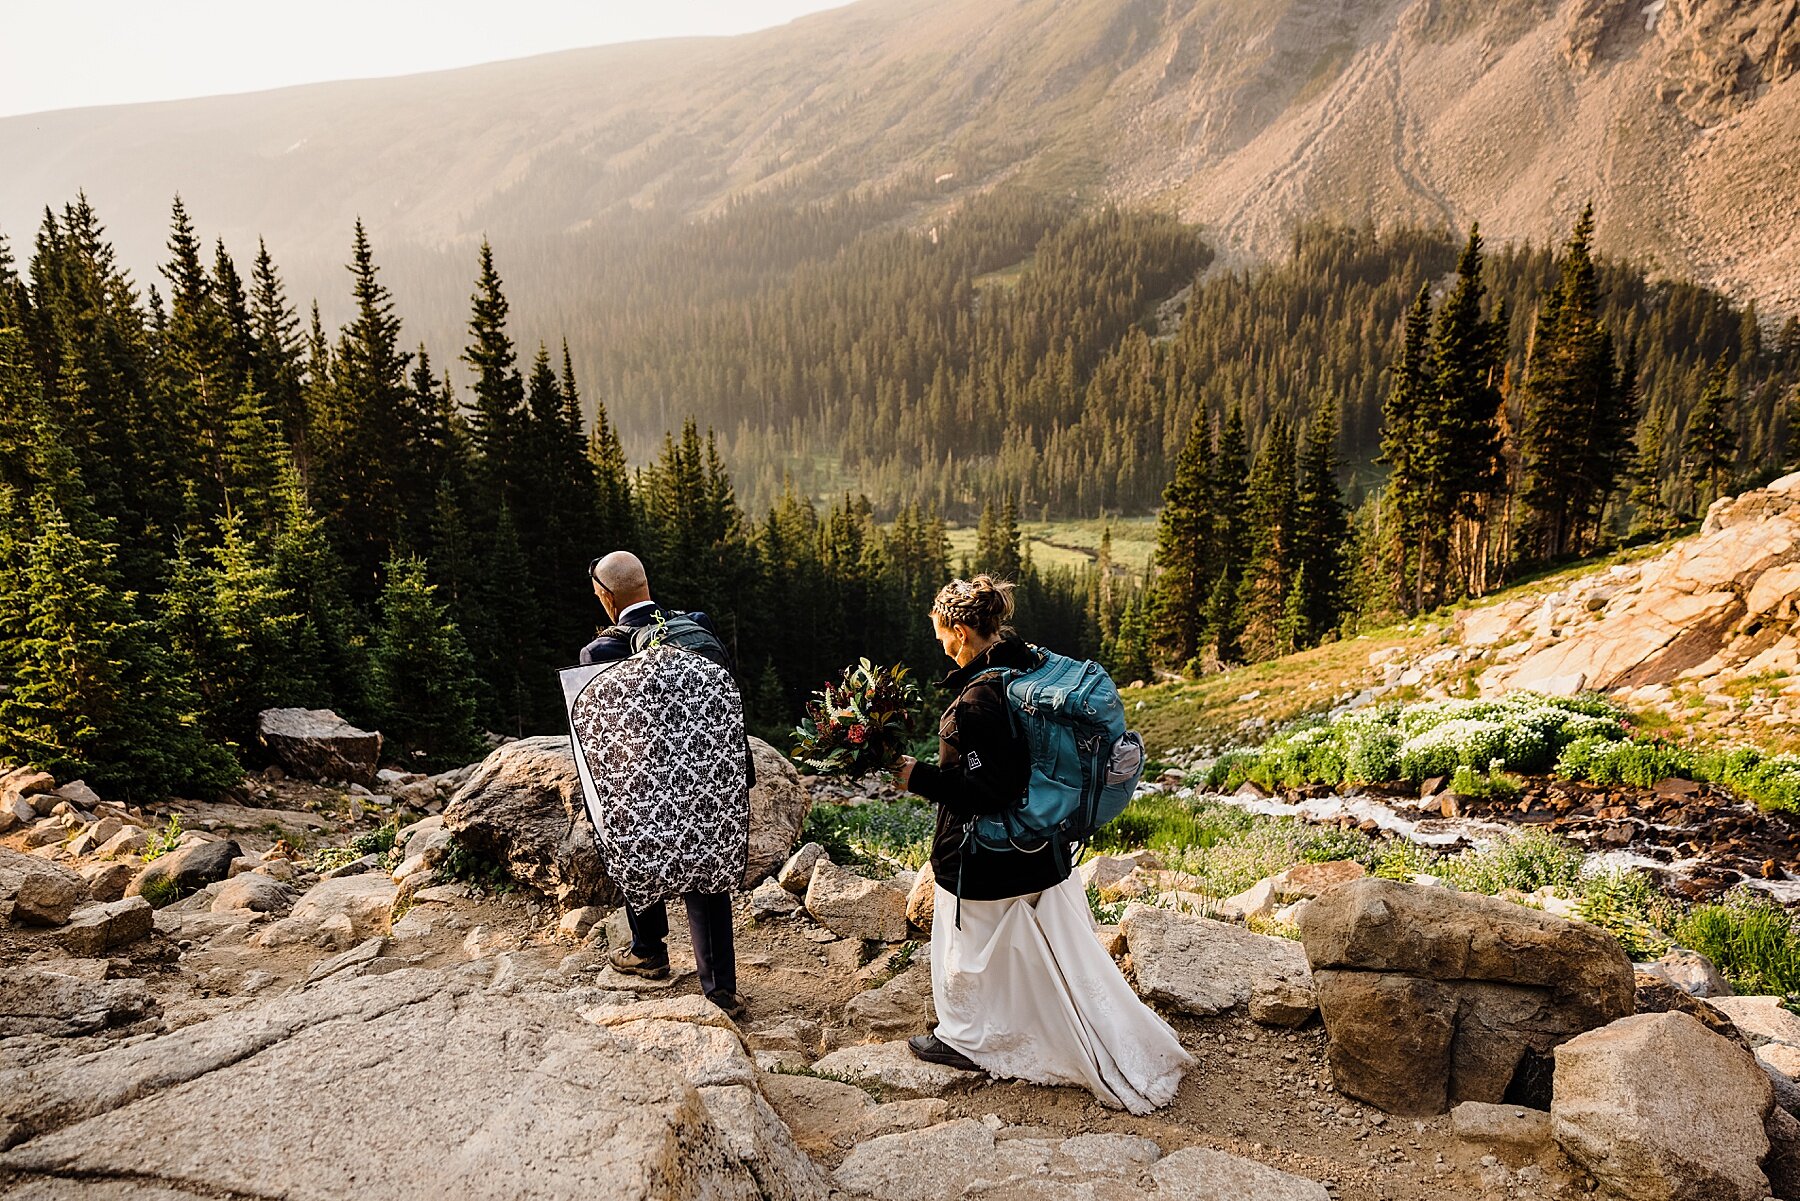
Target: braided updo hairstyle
{"points": [[984, 604]]}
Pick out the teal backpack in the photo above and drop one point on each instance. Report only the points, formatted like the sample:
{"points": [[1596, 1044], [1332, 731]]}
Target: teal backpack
{"points": [[1085, 765]]}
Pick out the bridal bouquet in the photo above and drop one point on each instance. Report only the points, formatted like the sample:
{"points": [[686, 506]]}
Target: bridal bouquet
{"points": [[859, 725]]}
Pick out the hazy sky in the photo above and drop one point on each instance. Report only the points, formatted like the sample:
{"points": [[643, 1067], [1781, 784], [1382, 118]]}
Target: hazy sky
{"points": [[73, 53]]}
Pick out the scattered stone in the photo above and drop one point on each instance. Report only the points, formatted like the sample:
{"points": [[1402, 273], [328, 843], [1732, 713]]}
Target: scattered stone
{"points": [[77, 792], [576, 923], [1256, 901], [898, 1009], [1275, 1001], [796, 873], [1087, 1154], [1659, 1108], [350, 962], [95, 836], [256, 892], [34, 892], [1308, 881], [1517, 1131], [1201, 966], [1689, 971], [105, 927], [188, 869], [691, 1008], [317, 744], [1760, 1019], [61, 1006], [129, 841], [338, 912], [853, 906], [893, 1065], [770, 900], [1202, 1174], [107, 881]]}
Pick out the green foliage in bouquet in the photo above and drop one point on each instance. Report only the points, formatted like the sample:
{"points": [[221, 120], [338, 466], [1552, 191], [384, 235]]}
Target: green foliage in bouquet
{"points": [[859, 725]]}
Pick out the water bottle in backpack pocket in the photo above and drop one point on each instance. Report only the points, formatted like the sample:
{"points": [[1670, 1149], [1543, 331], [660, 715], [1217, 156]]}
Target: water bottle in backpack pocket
{"points": [[1085, 765]]}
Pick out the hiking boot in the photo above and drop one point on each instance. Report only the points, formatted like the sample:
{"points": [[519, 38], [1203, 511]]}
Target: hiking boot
{"points": [[731, 1003], [632, 964], [932, 1050]]}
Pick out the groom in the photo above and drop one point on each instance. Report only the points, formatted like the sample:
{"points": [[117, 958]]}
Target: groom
{"points": [[624, 590]]}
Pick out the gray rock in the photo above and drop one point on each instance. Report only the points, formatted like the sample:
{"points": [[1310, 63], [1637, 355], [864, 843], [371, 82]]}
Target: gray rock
{"points": [[105, 927], [1275, 1001], [77, 792], [1659, 1108], [1690, 971], [1760, 1019], [254, 891], [770, 900], [351, 962], [898, 1009], [317, 744], [700, 1054], [336, 912], [517, 1099], [1200, 966], [35, 892], [129, 841], [45, 1002], [190, 868], [107, 881], [950, 1160], [893, 1065], [779, 802], [1202, 1174], [853, 906], [796, 873]]}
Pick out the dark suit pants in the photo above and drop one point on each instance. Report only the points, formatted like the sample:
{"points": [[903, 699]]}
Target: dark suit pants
{"points": [[709, 925]]}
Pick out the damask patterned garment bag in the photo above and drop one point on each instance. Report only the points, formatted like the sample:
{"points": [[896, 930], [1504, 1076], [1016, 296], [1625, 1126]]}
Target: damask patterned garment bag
{"points": [[659, 746]]}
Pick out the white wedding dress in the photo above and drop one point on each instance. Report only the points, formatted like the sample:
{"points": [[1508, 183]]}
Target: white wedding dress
{"points": [[1025, 989]]}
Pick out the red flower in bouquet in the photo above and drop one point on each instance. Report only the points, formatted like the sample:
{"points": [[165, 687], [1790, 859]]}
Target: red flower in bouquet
{"points": [[859, 725]]}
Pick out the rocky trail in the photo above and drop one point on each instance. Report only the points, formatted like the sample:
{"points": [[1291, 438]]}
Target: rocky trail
{"points": [[347, 1026]]}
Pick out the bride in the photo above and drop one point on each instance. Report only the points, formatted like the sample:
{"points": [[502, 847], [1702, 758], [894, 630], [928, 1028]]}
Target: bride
{"points": [[1023, 987]]}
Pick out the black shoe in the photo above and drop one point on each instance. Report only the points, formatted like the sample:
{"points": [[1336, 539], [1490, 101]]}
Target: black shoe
{"points": [[731, 1003], [929, 1048], [632, 964]]}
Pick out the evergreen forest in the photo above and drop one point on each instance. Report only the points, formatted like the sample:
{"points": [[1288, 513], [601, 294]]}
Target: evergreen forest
{"points": [[211, 503]]}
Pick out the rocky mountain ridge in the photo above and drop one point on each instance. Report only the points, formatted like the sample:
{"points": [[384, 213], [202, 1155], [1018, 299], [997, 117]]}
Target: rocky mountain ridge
{"points": [[1675, 117]]}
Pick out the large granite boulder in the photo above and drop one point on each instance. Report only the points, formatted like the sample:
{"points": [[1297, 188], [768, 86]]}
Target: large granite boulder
{"points": [[854, 906], [481, 1097], [1432, 997], [187, 869], [317, 744], [36, 892], [523, 808], [1659, 1108]]}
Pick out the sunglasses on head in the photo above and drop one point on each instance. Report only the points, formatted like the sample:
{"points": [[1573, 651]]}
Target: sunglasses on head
{"points": [[592, 564]]}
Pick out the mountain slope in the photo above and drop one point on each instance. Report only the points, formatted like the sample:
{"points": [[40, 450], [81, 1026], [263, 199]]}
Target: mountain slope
{"points": [[1677, 117]]}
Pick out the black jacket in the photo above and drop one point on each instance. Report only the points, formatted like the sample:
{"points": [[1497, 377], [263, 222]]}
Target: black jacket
{"points": [[983, 767]]}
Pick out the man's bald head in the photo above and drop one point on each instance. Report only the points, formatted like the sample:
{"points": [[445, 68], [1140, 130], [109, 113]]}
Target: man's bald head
{"points": [[620, 581]]}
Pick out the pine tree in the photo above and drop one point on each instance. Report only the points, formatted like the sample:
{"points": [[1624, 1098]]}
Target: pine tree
{"points": [[1321, 528], [424, 689], [1130, 655], [1184, 564], [1294, 631], [1408, 446], [499, 409], [1264, 587], [277, 368], [1709, 448], [1651, 512], [1577, 422]]}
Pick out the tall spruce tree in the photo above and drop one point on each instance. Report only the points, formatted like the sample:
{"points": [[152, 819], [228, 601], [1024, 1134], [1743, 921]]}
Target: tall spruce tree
{"points": [[1273, 499], [424, 678], [1709, 447], [1185, 566], [1408, 446], [1321, 529], [1577, 422]]}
